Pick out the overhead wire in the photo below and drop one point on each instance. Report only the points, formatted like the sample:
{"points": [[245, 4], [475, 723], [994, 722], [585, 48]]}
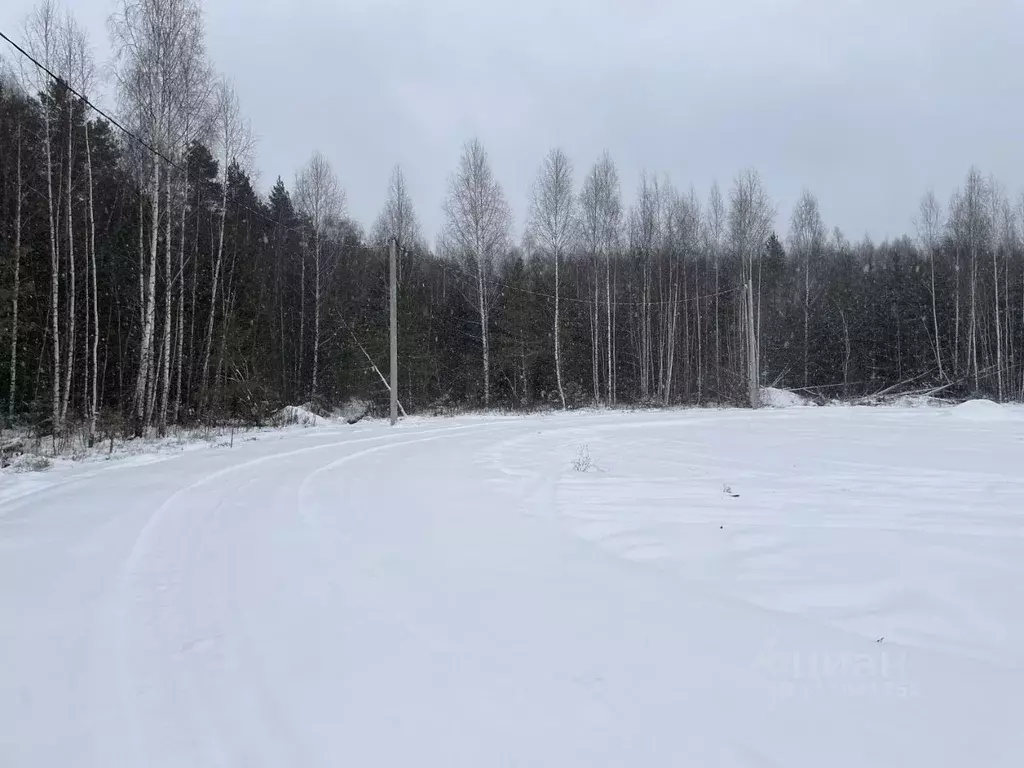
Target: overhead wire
{"points": [[134, 136]]}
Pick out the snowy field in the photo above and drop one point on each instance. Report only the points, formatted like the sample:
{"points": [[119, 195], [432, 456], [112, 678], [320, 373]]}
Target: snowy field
{"points": [[818, 587]]}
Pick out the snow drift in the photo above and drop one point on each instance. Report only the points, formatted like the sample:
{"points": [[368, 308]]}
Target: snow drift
{"points": [[981, 410], [297, 414], [773, 397]]}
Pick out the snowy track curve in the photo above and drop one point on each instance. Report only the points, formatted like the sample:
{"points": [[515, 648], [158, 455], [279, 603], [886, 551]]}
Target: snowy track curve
{"points": [[455, 594]]}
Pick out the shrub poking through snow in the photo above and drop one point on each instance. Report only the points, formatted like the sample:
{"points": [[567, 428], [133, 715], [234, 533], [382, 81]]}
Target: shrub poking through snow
{"points": [[583, 462], [354, 410], [33, 463]]}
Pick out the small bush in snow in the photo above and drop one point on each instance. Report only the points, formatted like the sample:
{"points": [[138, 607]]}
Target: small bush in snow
{"points": [[583, 462], [32, 464], [354, 410]]}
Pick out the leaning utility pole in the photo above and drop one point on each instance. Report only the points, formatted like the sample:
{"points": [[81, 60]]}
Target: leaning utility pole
{"points": [[394, 331]]}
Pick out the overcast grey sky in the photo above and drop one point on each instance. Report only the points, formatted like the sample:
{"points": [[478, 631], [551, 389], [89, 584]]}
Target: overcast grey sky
{"points": [[865, 102]]}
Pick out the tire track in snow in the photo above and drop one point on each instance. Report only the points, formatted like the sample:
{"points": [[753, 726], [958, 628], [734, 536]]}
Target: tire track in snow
{"points": [[137, 589]]}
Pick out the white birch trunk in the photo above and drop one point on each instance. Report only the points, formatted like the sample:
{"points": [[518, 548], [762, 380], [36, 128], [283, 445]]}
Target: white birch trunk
{"points": [[95, 348], [180, 339], [485, 341], [208, 351], [16, 288], [935, 315], [165, 364], [57, 424], [316, 315], [558, 351], [149, 311], [69, 367]]}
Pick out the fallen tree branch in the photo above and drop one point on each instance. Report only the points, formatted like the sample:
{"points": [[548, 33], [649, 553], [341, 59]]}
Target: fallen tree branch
{"points": [[372, 364]]}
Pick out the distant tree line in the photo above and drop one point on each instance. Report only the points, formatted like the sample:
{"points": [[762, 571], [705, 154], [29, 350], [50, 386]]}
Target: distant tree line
{"points": [[145, 282]]}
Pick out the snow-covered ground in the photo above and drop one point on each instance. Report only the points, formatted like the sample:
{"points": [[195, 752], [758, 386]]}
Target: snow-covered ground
{"points": [[794, 587]]}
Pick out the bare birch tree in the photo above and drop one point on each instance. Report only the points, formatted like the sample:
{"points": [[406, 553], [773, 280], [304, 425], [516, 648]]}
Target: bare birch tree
{"points": [[601, 216], [750, 220], [319, 198], [235, 141], [645, 238], [553, 224], [715, 231], [42, 39], [997, 242], [196, 115], [969, 217], [477, 230], [590, 241], [682, 232], [930, 229], [398, 220], [155, 41], [806, 238]]}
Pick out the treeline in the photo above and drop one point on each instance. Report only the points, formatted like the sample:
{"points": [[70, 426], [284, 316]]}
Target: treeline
{"points": [[144, 282]]}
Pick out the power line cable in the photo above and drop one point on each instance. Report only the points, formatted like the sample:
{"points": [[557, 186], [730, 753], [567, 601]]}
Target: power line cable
{"points": [[134, 136]]}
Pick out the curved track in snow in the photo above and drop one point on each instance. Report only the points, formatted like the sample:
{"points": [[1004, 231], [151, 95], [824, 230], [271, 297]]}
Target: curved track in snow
{"points": [[455, 594]]}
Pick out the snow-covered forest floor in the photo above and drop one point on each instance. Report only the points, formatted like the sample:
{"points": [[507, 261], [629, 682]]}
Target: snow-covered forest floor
{"points": [[793, 586]]}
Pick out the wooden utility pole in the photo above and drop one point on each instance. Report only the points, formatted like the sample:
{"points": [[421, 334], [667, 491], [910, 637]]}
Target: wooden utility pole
{"points": [[394, 331]]}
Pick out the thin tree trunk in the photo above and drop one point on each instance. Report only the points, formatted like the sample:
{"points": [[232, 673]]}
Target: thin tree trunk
{"points": [[483, 329], [613, 338], [204, 382], [753, 375], [670, 342], [86, 346], [180, 339], [316, 316], [522, 357], [142, 259], [165, 365], [69, 368], [279, 288], [595, 332], [700, 336], [807, 317], [974, 318], [149, 321], [302, 319], [558, 351], [1011, 356], [846, 346], [757, 335], [956, 333], [94, 403], [193, 312], [935, 316], [17, 286], [57, 424], [228, 301], [687, 351]]}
